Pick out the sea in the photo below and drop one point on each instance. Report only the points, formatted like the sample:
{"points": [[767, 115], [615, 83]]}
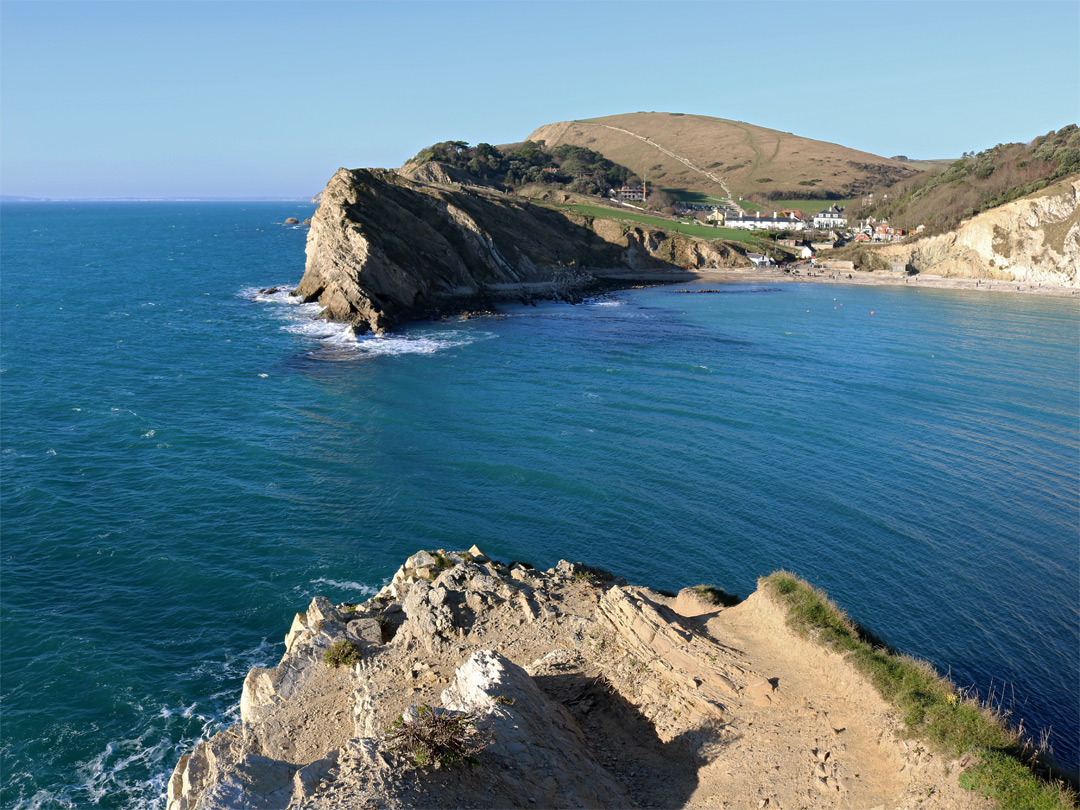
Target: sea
{"points": [[187, 459]]}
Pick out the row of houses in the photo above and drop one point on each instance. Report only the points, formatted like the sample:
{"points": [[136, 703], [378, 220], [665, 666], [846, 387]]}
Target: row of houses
{"points": [[831, 218]]}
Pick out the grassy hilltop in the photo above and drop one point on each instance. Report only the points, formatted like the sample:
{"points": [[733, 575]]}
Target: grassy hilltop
{"points": [[700, 154]]}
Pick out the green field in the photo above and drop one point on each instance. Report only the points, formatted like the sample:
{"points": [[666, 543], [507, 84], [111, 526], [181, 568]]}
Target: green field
{"points": [[698, 231], [810, 206], [746, 205], [695, 197], [698, 198]]}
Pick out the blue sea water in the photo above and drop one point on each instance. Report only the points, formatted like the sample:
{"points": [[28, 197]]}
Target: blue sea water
{"points": [[186, 461]]}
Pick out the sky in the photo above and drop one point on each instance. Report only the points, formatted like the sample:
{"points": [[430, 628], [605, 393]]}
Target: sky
{"points": [[267, 99]]}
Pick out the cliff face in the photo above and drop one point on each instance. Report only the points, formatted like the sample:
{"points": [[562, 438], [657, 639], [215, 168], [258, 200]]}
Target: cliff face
{"points": [[1032, 240], [384, 248], [592, 692]]}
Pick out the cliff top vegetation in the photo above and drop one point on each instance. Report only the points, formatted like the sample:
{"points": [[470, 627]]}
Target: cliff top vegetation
{"points": [[979, 181], [575, 168]]}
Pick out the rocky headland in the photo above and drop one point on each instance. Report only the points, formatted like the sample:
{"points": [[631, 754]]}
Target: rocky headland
{"points": [[387, 247], [384, 249], [588, 692]]}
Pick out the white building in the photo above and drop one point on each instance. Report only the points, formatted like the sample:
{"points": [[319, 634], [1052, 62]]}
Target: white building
{"points": [[757, 222], [759, 259], [830, 218]]}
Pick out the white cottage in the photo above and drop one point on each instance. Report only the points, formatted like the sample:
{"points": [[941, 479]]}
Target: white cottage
{"points": [[830, 218]]}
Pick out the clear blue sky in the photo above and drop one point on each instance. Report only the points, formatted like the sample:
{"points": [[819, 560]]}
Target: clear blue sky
{"points": [[268, 99]]}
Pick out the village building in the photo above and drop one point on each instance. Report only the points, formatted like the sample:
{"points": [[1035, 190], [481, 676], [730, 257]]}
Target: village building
{"points": [[879, 231], [830, 218], [759, 260], [757, 222], [631, 194]]}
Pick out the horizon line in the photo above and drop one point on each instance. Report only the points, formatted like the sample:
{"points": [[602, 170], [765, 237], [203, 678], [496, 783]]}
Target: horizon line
{"points": [[9, 198]]}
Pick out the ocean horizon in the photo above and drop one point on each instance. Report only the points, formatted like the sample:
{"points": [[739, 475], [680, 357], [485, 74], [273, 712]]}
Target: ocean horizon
{"points": [[188, 459]]}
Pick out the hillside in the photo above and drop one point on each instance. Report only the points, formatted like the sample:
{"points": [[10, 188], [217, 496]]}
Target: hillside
{"points": [[717, 157], [978, 182]]}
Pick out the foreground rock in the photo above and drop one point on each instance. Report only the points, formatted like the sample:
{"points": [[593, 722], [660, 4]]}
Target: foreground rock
{"points": [[596, 693], [384, 248]]}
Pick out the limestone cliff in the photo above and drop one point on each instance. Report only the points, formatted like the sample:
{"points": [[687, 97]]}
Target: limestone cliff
{"points": [[592, 692], [384, 248], [1035, 239]]}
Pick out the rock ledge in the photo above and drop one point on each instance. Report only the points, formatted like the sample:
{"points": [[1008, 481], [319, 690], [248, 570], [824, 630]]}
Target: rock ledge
{"points": [[596, 693]]}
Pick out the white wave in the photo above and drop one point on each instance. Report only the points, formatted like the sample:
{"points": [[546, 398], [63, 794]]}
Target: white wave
{"points": [[333, 334], [303, 320], [109, 773], [417, 344], [365, 590]]}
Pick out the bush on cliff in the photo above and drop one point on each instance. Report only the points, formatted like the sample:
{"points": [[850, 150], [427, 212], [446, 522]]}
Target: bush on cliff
{"points": [[342, 653], [437, 737]]}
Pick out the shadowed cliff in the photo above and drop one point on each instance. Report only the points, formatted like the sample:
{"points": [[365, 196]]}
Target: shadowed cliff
{"points": [[384, 249]]}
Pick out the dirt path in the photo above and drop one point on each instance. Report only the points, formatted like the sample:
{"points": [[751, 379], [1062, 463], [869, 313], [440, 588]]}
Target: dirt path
{"points": [[813, 733], [684, 161]]}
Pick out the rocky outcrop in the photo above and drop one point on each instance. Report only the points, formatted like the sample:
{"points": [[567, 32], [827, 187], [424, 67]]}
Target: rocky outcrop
{"points": [[1032, 240], [384, 248], [590, 691]]}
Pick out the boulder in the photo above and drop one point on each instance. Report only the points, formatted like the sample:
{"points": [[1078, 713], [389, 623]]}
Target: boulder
{"points": [[537, 743]]}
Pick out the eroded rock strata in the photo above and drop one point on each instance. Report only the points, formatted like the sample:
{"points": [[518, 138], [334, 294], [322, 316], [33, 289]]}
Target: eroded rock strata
{"points": [[1035, 239], [384, 248], [596, 693]]}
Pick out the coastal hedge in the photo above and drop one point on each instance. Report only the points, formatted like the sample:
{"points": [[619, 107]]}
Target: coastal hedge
{"points": [[931, 706]]}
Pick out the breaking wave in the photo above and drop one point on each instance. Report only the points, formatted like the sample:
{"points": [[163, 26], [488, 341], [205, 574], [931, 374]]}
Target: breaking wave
{"points": [[340, 341]]}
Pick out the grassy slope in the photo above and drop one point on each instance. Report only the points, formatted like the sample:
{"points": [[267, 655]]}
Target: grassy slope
{"points": [[752, 160], [930, 706], [695, 230], [978, 182]]}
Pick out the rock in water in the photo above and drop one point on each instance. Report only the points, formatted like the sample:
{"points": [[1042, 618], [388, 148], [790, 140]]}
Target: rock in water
{"points": [[292, 221]]}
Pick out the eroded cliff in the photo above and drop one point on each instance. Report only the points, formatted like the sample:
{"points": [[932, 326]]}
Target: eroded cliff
{"points": [[1032, 240], [594, 693], [384, 248]]}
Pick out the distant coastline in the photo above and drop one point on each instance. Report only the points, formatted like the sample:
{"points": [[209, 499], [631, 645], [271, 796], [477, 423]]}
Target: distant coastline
{"points": [[9, 198], [855, 277]]}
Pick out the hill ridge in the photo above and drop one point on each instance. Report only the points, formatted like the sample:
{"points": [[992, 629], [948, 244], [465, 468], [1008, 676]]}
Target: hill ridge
{"points": [[754, 162]]}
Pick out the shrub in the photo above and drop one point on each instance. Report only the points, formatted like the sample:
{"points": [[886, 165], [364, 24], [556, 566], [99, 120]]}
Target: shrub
{"points": [[438, 737], [342, 653]]}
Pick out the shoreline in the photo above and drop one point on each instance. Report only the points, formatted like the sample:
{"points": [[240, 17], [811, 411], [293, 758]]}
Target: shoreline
{"points": [[857, 277]]}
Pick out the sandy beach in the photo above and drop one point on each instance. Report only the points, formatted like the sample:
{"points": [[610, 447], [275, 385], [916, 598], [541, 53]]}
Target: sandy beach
{"points": [[766, 276]]}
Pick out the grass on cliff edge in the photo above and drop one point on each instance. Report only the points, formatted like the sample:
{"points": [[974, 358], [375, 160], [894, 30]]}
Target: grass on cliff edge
{"points": [[693, 229], [931, 706]]}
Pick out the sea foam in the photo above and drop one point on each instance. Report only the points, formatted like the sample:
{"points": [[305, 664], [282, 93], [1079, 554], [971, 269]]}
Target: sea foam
{"points": [[340, 341]]}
